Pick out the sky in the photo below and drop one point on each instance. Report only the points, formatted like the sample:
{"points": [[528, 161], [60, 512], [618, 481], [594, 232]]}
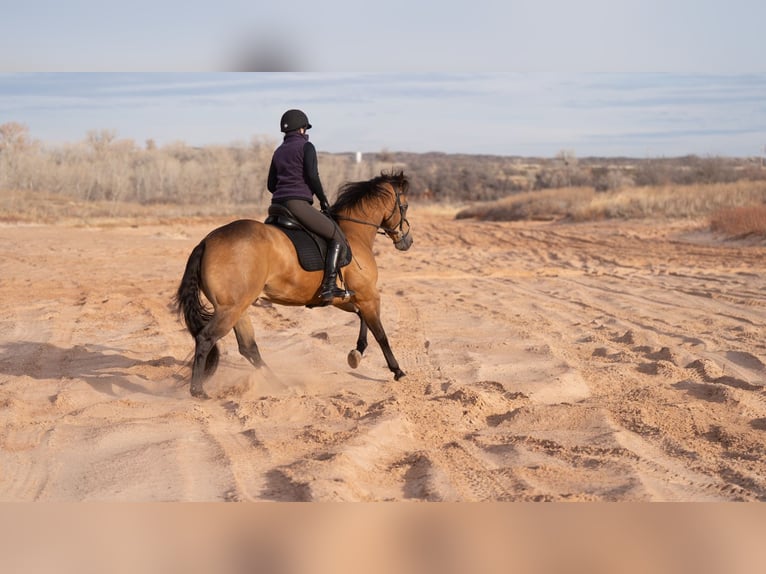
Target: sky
{"points": [[691, 36], [508, 77], [527, 114]]}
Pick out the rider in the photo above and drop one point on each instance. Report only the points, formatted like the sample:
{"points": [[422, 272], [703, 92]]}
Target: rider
{"points": [[293, 182]]}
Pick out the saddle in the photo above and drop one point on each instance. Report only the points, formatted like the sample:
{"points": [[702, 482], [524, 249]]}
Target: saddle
{"points": [[311, 248]]}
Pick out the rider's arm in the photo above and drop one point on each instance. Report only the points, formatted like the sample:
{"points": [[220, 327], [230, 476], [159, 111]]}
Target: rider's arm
{"points": [[272, 181], [311, 173]]}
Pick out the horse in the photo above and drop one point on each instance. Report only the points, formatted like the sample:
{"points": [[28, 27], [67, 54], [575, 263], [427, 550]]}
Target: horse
{"points": [[242, 261]]}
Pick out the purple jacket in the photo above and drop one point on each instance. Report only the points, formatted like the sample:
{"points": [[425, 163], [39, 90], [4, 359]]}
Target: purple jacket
{"points": [[293, 173]]}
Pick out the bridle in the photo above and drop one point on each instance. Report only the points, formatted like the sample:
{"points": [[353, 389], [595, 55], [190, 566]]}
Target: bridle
{"points": [[382, 229]]}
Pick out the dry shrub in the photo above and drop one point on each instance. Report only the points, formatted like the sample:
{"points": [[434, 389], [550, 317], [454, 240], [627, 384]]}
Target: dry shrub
{"points": [[583, 204], [672, 202], [740, 221], [546, 205]]}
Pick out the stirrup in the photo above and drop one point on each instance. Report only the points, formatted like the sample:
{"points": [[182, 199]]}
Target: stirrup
{"points": [[335, 293]]}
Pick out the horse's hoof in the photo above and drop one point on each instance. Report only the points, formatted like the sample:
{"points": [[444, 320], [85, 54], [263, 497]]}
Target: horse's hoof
{"points": [[354, 359], [199, 393], [399, 375]]}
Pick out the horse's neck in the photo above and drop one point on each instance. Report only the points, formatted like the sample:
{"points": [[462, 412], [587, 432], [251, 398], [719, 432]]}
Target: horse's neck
{"points": [[358, 234]]}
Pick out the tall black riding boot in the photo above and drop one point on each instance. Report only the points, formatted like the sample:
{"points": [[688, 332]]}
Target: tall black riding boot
{"points": [[329, 289]]}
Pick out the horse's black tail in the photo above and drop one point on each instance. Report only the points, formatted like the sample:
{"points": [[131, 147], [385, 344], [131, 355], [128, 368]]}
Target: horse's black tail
{"points": [[187, 299]]}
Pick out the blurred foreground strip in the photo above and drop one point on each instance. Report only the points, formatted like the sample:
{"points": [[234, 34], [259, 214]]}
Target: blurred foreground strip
{"points": [[380, 537]]}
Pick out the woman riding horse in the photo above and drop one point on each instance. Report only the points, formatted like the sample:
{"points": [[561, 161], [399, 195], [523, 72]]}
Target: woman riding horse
{"points": [[293, 182], [245, 260]]}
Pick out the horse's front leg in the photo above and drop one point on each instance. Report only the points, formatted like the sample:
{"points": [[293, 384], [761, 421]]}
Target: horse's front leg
{"points": [[370, 316], [355, 356]]}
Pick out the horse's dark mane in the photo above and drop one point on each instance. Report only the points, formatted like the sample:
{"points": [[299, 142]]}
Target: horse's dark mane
{"points": [[354, 193]]}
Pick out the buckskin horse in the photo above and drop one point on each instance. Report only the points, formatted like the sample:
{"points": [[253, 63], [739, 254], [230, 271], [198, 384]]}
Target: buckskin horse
{"points": [[239, 262]]}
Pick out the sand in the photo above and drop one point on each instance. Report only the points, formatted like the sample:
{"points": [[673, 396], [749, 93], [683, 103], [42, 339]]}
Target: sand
{"points": [[607, 361]]}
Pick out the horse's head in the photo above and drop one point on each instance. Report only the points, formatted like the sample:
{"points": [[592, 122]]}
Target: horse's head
{"points": [[396, 225], [382, 199]]}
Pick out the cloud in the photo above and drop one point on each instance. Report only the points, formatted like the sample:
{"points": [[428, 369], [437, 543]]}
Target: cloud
{"points": [[503, 114]]}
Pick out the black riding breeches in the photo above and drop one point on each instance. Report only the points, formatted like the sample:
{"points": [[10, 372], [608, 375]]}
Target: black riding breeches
{"points": [[312, 219]]}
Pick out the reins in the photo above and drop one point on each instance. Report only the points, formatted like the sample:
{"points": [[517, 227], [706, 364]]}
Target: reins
{"points": [[382, 229], [353, 220]]}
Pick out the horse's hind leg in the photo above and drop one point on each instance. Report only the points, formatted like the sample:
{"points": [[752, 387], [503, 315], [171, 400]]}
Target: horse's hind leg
{"points": [[206, 352], [205, 363], [248, 348]]}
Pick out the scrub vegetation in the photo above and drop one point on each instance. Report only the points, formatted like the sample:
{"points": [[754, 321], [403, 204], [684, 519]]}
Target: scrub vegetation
{"points": [[104, 175]]}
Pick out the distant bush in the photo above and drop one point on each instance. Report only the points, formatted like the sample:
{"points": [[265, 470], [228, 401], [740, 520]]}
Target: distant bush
{"points": [[456, 177]]}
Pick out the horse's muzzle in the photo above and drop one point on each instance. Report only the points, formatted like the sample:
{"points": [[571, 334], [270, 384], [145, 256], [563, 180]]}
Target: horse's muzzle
{"points": [[404, 242]]}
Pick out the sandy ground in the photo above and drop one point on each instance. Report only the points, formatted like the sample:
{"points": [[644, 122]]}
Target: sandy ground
{"points": [[588, 362]]}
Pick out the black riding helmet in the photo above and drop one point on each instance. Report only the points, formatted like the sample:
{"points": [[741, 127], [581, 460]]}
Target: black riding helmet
{"points": [[294, 120]]}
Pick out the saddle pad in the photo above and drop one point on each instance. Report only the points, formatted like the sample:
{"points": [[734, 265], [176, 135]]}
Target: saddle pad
{"points": [[309, 254], [311, 248]]}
